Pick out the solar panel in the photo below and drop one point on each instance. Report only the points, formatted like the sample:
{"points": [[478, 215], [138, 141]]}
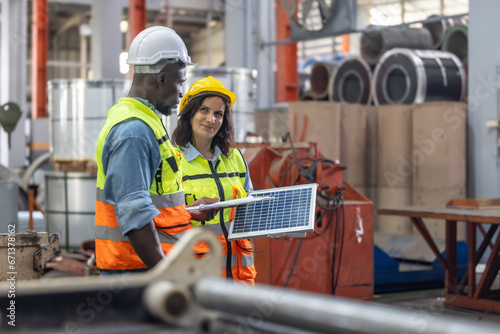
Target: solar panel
{"points": [[291, 211]]}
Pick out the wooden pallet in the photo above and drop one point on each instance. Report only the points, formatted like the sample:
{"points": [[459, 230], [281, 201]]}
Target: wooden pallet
{"points": [[88, 166]]}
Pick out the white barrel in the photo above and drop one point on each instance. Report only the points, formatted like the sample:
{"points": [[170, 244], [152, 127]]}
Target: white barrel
{"points": [[242, 82], [77, 112], [70, 206]]}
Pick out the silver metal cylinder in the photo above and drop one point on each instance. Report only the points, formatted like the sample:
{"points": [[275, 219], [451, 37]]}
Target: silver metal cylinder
{"points": [[242, 82], [77, 112], [168, 301], [324, 314], [70, 206]]}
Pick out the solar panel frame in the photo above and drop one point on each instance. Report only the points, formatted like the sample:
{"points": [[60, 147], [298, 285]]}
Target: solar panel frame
{"points": [[288, 213]]}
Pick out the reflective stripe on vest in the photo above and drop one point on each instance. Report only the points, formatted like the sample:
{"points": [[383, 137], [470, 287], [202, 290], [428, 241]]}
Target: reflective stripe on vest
{"points": [[223, 178], [113, 250], [246, 261]]}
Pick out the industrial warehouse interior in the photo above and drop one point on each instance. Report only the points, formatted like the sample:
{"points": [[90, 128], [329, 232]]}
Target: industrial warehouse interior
{"points": [[360, 140]]}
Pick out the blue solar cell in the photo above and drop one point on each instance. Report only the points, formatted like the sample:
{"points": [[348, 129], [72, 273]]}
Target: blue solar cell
{"points": [[291, 210]]}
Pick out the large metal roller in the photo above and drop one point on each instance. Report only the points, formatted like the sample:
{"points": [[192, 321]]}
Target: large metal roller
{"points": [[375, 43], [456, 41], [319, 78], [406, 76], [351, 82], [439, 28]]}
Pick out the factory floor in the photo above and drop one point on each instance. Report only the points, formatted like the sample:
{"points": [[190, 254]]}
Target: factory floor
{"points": [[429, 303]]}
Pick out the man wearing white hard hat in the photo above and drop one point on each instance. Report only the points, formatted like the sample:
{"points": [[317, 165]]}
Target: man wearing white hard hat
{"points": [[140, 207]]}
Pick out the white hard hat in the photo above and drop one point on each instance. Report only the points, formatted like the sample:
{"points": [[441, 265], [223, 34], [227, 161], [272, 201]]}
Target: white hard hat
{"points": [[154, 47]]}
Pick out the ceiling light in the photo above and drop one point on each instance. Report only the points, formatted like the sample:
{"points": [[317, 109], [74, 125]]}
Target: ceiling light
{"points": [[85, 29], [124, 26], [212, 23]]}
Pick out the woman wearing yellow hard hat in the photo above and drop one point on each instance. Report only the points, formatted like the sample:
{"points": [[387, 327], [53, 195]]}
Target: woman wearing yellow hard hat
{"points": [[212, 167]]}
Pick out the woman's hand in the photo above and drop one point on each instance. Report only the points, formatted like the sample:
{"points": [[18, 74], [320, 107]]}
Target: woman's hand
{"points": [[204, 215]]}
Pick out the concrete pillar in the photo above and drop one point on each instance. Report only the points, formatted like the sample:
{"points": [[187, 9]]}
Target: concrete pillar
{"points": [[266, 80], [484, 84], [13, 41], [236, 33], [106, 39]]}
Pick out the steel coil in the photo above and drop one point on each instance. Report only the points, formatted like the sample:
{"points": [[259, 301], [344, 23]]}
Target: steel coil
{"points": [[375, 43], [319, 79], [406, 76], [241, 81], [351, 82], [77, 111], [439, 28], [456, 41]]}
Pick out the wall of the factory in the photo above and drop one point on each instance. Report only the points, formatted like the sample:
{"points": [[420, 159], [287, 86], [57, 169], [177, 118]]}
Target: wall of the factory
{"points": [[209, 51], [484, 86], [106, 39], [65, 51]]}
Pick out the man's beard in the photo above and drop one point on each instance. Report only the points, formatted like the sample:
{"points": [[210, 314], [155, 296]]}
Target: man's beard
{"points": [[165, 110]]}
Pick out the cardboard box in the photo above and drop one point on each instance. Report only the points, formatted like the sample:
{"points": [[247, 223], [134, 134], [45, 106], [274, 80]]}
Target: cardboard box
{"points": [[316, 121], [439, 149], [393, 198], [394, 146], [353, 143]]}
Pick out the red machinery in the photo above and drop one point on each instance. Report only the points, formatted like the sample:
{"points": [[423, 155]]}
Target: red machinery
{"points": [[337, 258]]}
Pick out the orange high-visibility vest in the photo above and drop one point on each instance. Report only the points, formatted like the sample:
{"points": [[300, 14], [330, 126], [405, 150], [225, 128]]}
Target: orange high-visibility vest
{"points": [[113, 250]]}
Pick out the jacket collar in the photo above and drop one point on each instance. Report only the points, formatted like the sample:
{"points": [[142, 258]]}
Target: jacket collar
{"points": [[190, 152]]}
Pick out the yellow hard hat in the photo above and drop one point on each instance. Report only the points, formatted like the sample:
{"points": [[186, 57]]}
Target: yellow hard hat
{"points": [[206, 86]]}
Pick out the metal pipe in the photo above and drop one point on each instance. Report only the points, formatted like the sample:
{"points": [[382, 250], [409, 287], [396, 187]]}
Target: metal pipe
{"points": [[325, 314], [209, 33], [39, 55], [31, 169], [83, 57], [136, 17], [287, 75]]}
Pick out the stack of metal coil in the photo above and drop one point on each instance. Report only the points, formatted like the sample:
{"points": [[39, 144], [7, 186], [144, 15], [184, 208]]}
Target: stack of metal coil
{"points": [[398, 65]]}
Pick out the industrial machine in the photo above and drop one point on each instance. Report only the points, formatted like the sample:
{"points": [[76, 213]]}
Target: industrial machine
{"points": [[337, 258], [183, 295], [25, 255]]}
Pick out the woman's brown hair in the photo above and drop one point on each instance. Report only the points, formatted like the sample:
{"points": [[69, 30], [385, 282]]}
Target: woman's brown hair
{"points": [[183, 133]]}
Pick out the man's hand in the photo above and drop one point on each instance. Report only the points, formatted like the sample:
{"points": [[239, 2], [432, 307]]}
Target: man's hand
{"points": [[204, 215]]}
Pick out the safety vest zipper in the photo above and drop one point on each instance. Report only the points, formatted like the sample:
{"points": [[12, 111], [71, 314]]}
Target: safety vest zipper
{"points": [[220, 188]]}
